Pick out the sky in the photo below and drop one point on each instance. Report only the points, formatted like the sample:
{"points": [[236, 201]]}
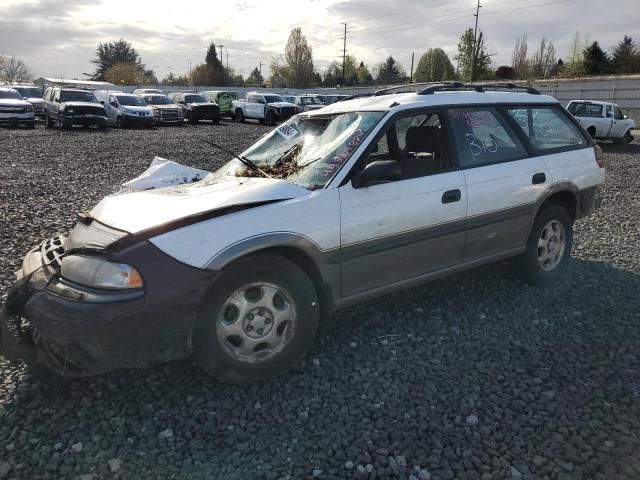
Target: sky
{"points": [[58, 38]]}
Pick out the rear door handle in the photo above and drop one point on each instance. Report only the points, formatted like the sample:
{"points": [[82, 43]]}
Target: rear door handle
{"points": [[539, 178], [451, 196]]}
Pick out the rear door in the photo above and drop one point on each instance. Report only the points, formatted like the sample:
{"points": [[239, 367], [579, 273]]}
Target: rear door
{"points": [[503, 181], [398, 231], [619, 127]]}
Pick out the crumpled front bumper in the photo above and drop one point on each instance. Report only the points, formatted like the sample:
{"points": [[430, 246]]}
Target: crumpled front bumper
{"points": [[77, 331]]}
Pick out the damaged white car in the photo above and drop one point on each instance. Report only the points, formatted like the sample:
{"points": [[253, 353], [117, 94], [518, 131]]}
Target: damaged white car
{"points": [[333, 207]]}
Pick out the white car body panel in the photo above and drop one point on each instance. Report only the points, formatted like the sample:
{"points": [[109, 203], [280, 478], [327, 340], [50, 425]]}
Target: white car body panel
{"points": [[606, 126], [313, 215], [575, 167], [135, 212]]}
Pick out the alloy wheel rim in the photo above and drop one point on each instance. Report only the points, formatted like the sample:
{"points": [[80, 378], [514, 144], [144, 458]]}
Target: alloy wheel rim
{"points": [[256, 322], [551, 245]]}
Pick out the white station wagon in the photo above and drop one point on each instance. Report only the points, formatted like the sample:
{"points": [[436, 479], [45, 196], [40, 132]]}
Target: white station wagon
{"points": [[333, 207]]}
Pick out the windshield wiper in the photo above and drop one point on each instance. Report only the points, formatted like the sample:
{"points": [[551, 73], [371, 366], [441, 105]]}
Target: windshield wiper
{"points": [[245, 161]]}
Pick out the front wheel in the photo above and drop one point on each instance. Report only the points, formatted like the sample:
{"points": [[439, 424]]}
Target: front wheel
{"points": [[271, 119], [239, 116], [48, 121], [258, 320], [548, 246]]}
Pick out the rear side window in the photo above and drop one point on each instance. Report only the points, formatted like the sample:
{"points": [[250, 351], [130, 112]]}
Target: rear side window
{"points": [[547, 128], [580, 109], [483, 138]]}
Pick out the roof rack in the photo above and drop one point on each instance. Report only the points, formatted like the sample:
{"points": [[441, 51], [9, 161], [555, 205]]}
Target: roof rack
{"points": [[388, 90], [478, 87]]}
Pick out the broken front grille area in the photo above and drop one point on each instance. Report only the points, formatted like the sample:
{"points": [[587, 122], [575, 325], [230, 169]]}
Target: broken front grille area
{"points": [[52, 251]]}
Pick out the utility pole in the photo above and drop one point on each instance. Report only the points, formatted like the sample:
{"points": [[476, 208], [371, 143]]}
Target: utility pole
{"points": [[189, 69], [344, 55], [474, 55], [411, 78], [221, 53], [227, 59]]}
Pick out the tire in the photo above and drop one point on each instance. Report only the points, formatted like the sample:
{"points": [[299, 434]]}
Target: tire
{"points": [[548, 246], [190, 118], [216, 120], [592, 132], [48, 121], [270, 119], [628, 138], [239, 116], [119, 123], [262, 121], [229, 342]]}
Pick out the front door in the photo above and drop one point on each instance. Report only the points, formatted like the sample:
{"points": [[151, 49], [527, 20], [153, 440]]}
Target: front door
{"points": [[397, 231], [619, 127]]}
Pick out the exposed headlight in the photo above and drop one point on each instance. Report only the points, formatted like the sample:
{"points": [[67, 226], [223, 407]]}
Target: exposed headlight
{"points": [[68, 111], [99, 273]]}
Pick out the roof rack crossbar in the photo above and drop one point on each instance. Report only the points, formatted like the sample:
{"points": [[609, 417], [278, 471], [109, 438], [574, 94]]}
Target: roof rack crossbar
{"points": [[478, 87], [387, 90]]}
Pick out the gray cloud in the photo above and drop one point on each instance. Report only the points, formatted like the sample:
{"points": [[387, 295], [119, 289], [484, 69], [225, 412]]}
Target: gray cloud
{"points": [[62, 45]]}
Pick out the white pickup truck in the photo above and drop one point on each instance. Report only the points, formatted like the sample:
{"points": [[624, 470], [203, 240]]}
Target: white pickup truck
{"points": [[603, 120], [268, 108]]}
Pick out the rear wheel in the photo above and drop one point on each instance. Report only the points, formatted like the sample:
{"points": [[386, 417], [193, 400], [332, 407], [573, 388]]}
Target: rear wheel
{"points": [[592, 132], [258, 320], [119, 122], [549, 245], [48, 121], [216, 120]]}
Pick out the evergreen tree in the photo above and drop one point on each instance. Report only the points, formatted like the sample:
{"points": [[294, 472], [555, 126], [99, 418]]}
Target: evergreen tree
{"points": [[215, 70], [468, 57], [109, 54], [298, 60], [390, 72], [626, 57], [596, 60], [255, 78], [434, 66]]}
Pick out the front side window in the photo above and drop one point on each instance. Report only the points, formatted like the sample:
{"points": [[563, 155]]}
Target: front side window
{"points": [[609, 111], [418, 142], [483, 138], [580, 109], [617, 113], [307, 151], [547, 127]]}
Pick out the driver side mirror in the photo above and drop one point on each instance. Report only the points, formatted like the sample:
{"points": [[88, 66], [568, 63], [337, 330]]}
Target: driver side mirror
{"points": [[377, 172], [114, 104], [101, 102], [182, 102]]}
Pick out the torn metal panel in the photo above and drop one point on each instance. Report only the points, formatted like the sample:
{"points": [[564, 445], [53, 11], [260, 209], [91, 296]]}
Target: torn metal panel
{"points": [[163, 173]]}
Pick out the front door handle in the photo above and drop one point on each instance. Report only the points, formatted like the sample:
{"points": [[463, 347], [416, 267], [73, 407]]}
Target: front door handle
{"points": [[539, 178], [451, 196]]}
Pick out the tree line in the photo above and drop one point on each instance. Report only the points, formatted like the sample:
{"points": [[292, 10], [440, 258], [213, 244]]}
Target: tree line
{"points": [[119, 62]]}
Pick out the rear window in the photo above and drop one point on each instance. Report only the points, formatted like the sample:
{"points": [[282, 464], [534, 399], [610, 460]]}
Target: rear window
{"points": [[580, 109], [483, 138], [547, 128]]}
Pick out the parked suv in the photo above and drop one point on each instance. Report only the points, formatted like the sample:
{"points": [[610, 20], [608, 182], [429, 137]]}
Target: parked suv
{"points": [[125, 109], [14, 110], [333, 207], [33, 95], [306, 103], [196, 107], [603, 120], [164, 110], [66, 107], [267, 108]]}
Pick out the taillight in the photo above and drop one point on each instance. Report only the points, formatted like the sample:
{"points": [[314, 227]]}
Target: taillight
{"points": [[599, 155]]}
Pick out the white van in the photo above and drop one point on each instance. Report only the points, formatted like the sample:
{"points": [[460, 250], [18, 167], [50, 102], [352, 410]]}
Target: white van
{"points": [[125, 109]]}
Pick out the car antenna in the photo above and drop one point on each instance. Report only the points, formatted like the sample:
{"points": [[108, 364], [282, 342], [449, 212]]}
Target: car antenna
{"points": [[245, 161]]}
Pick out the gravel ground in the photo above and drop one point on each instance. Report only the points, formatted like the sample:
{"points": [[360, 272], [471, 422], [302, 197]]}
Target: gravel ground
{"points": [[473, 377]]}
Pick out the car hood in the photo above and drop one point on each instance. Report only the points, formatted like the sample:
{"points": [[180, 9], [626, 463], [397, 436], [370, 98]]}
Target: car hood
{"points": [[136, 108], [201, 104], [312, 107], [12, 102], [281, 104], [83, 104], [139, 211], [33, 99], [167, 106]]}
